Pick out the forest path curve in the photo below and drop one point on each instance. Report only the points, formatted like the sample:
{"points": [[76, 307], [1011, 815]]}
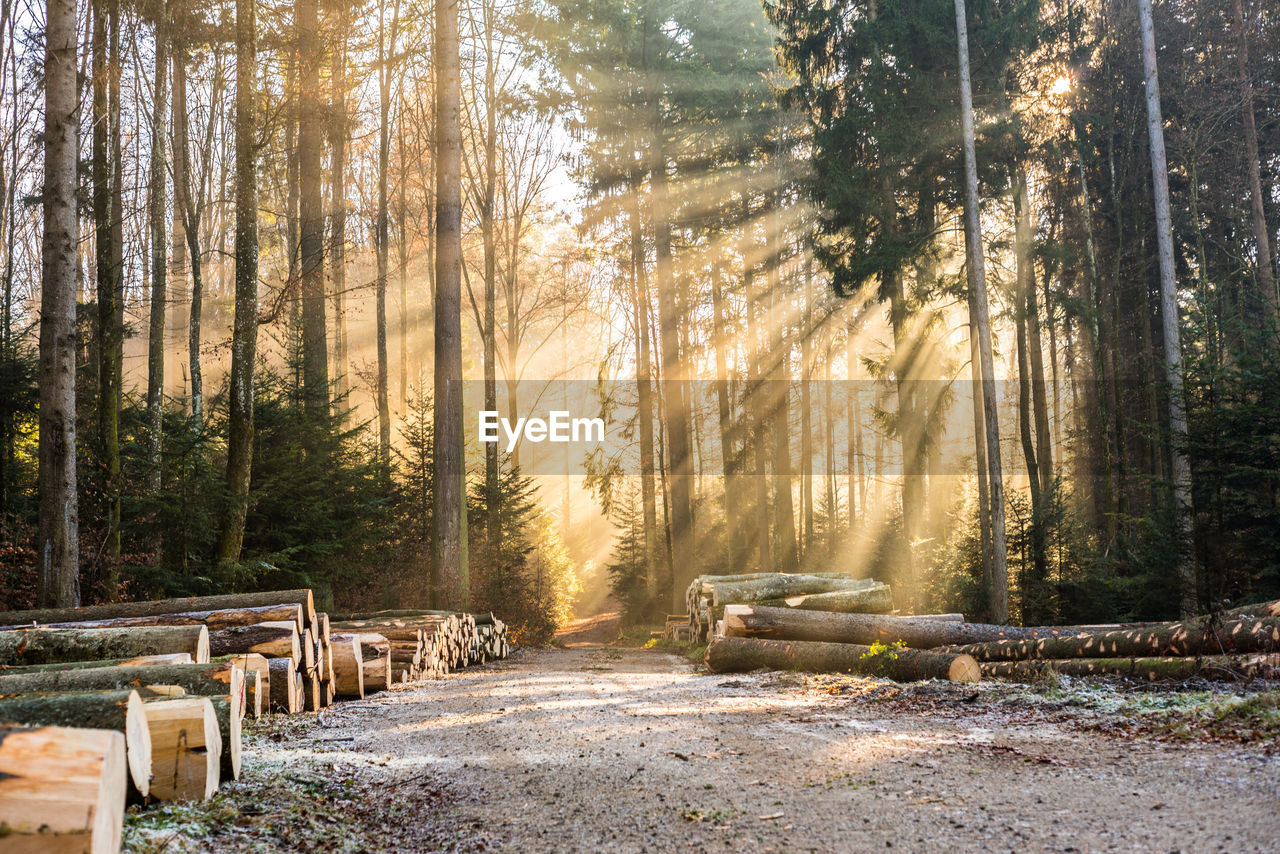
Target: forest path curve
{"points": [[599, 748]]}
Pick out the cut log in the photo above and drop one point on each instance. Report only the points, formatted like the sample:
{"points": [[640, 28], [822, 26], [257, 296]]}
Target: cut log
{"points": [[312, 700], [61, 790], [1172, 639], [870, 600], [257, 692], [777, 586], [736, 655], [348, 669], [135, 661], [200, 679], [121, 711], [1221, 668], [763, 621], [230, 721], [52, 646], [213, 620], [1262, 609], [186, 749], [283, 696], [166, 606], [377, 673], [274, 640]]}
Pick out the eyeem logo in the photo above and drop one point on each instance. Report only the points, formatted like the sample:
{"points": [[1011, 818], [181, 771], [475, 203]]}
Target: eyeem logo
{"points": [[558, 428]]}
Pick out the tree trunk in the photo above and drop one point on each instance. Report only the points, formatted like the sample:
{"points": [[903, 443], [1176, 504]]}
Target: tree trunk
{"points": [[132, 661], [1181, 474], [244, 340], [338, 120], [189, 213], [724, 411], [644, 385], [67, 783], [775, 586], [50, 646], [159, 256], [219, 619], [119, 711], [736, 655], [315, 354], [877, 599], [274, 639], [1222, 668], [762, 621], [450, 583], [1261, 231], [348, 666], [283, 692], [978, 303], [1190, 638], [58, 548], [386, 52]]}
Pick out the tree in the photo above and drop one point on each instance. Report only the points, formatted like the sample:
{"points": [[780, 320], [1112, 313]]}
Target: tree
{"points": [[315, 356], [450, 578], [1171, 337], [386, 63], [245, 334], [58, 547], [159, 254]]}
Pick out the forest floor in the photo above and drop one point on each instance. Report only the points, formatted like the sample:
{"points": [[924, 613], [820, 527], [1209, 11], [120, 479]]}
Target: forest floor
{"points": [[629, 750]]}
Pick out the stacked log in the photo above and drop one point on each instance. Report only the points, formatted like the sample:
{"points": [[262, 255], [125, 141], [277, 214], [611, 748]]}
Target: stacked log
{"points": [[53, 646], [186, 749], [62, 788], [730, 655], [709, 595]]}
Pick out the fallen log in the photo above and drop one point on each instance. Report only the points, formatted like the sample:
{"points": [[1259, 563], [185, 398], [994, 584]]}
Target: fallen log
{"points": [[213, 620], [51, 646], [274, 640], [200, 679], [377, 673], [121, 711], [186, 749], [230, 718], [1261, 609], [61, 789], [284, 698], [257, 692], [135, 661], [184, 605], [1220, 668], [736, 655], [764, 621], [1171, 639]]}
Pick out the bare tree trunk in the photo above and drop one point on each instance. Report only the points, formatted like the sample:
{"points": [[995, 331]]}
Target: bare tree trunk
{"points": [[386, 52], [1186, 574], [402, 267], [779, 401], [644, 383], [315, 356], [338, 201], [106, 94], [1261, 233], [806, 415], [58, 548], [159, 259], [728, 447], [492, 493], [978, 284], [189, 215], [450, 577], [244, 341]]}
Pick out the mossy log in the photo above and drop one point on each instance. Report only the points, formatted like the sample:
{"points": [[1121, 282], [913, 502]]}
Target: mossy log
{"points": [[135, 661], [184, 605], [735, 655], [62, 789], [273, 639], [200, 679], [1172, 639], [50, 646], [1223, 668], [120, 711], [763, 621]]}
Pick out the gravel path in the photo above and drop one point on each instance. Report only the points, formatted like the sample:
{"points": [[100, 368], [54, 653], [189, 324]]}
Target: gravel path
{"points": [[595, 749]]}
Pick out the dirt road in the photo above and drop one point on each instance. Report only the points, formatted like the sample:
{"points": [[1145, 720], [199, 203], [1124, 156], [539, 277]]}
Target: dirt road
{"points": [[631, 750]]}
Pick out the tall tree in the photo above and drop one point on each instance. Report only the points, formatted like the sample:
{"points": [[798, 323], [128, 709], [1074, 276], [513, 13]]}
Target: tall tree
{"points": [[450, 577], [58, 546], [1261, 231], [159, 255], [978, 284], [1171, 337], [386, 65], [244, 336], [315, 355], [338, 131]]}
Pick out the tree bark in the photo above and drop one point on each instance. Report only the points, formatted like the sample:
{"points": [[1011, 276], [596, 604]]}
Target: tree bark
{"points": [[219, 619], [188, 213], [159, 255], [1177, 639], [315, 354], [338, 121], [386, 53], [244, 336], [58, 546], [736, 655], [1181, 474], [877, 599], [62, 782], [1220, 668], [644, 383], [276, 639], [773, 586], [226, 601], [50, 646], [978, 285], [1261, 231], [450, 583]]}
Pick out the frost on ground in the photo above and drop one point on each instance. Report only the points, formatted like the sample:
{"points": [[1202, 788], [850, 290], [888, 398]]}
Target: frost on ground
{"points": [[590, 749]]}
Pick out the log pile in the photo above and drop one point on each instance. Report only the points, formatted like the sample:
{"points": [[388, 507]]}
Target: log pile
{"points": [[146, 700], [1241, 645], [709, 595]]}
